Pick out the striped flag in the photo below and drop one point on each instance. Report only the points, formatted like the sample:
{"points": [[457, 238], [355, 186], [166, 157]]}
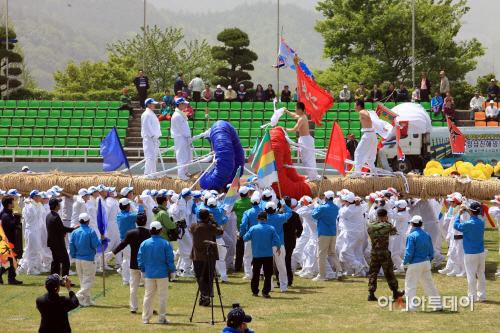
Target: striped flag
{"points": [[264, 163], [254, 151], [232, 193]]}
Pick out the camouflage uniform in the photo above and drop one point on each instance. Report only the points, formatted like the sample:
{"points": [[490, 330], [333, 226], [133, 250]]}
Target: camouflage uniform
{"points": [[380, 255]]}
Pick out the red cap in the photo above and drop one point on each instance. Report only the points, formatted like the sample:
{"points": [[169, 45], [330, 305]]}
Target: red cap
{"points": [[125, 90]]}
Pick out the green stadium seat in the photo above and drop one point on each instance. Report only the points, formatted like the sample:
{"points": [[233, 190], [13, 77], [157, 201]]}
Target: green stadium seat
{"points": [[224, 106], [92, 105], [343, 106], [4, 132], [163, 143], [29, 122], [193, 105], [354, 115], [290, 124], [74, 132], [246, 115], [234, 115], [113, 114], [20, 114], [199, 115], [50, 132], [282, 105], [257, 115], [89, 114], [437, 124], [58, 105], [76, 123], [235, 124], [10, 104], [291, 106], [83, 143], [255, 133], [331, 115], [344, 125], [2, 103], [60, 142], [244, 133], [212, 115], [245, 143], [80, 153], [390, 105], [236, 106], [223, 115], [55, 114], [101, 114], [3, 142], [198, 143], [245, 124], [31, 114], [67, 114], [122, 133], [436, 116], [22, 152], [36, 142], [343, 116], [95, 142], [214, 106], [103, 105], [8, 113], [17, 122], [5, 122], [200, 106], [259, 106], [68, 105], [27, 132], [124, 114], [268, 115], [78, 114], [163, 124], [97, 133], [80, 105], [38, 132], [53, 123], [33, 105], [61, 132], [247, 106], [48, 142], [319, 143], [319, 133], [42, 114], [58, 153], [22, 104], [256, 124], [199, 124], [292, 135], [46, 105], [90, 123], [72, 142], [352, 105], [114, 105], [369, 106], [269, 106], [15, 132], [355, 125], [123, 123]]}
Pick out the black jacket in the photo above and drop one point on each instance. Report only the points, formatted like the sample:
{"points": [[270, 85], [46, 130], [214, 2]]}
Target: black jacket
{"points": [[54, 310], [270, 95], [393, 95], [219, 95], [376, 95], [9, 224], [137, 81], [56, 231], [179, 85], [134, 238], [285, 96], [351, 147], [292, 229], [495, 90]]}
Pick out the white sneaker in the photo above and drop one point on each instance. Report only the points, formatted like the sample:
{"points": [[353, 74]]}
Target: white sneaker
{"points": [[108, 256], [224, 279], [438, 262], [452, 273], [339, 276], [144, 321], [462, 275], [43, 270], [188, 275], [176, 255], [126, 283], [358, 270], [317, 278], [98, 270], [20, 269], [32, 272], [71, 273], [183, 177], [307, 276], [117, 266], [80, 300], [444, 271], [163, 321], [119, 271], [299, 273], [354, 175], [380, 274], [399, 271], [89, 302], [497, 272], [108, 268], [247, 277]]}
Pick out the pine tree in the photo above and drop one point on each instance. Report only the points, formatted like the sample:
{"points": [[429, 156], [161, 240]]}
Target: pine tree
{"points": [[13, 57]]}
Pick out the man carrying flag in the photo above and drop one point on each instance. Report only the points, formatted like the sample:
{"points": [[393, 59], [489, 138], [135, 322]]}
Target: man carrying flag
{"points": [[307, 152]]}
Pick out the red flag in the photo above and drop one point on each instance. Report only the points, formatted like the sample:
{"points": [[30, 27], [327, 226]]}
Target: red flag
{"points": [[337, 151], [457, 139], [401, 156], [315, 99]]}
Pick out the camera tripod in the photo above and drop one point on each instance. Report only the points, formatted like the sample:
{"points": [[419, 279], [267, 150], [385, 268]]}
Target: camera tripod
{"points": [[210, 265]]}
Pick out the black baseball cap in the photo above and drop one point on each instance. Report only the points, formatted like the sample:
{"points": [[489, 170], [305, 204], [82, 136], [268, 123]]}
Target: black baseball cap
{"points": [[236, 317], [475, 207], [54, 201], [262, 216], [52, 283]]}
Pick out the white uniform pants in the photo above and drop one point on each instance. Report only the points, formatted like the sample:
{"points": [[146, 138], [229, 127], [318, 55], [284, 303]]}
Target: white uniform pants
{"points": [[220, 264], [126, 264], [184, 245], [420, 272], [310, 263], [280, 265], [366, 152], [135, 279], [152, 287], [326, 249], [31, 249], [433, 230], [444, 229], [352, 251], [114, 236], [308, 156], [149, 145], [45, 251], [299, 247], [86, 274], [456, 255], [229, 237], [474, 265], [397, 244], [182, 153], [247, 259]]}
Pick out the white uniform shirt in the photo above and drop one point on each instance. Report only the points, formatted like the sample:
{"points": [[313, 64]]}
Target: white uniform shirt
{"points": [[179, 126], [66, 208], [477, 102], [33, 215], [148, 204], [354, 220], [79, 207], [177, 212], [150, 125], [197, 84], [426, 210], [491, 111], [92, 211], [112, 209]]}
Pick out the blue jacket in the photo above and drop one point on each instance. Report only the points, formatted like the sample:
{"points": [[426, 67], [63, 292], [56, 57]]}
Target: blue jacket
{"points": [[473, 231], [83, 243], [218, 213], [436, 101], [263, 237], [263, 204], [156, 258], [249, 219], [327, 219], [277, 220], [234, 330], [418, 247], [126, 221]]}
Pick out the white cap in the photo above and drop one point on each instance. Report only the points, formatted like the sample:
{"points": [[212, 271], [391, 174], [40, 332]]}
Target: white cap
{"points": [[146, 192], [53, 192], [255, 198], [416, 219], [229, 87], [349, 197], [84, 216], [306, 199], [170, 193], [267, 193], [341, 192], [13, 192], [214, 193], [175, 197], [456, 198], [162, 191], [242, 85], [243, 190], [393, 191], [401, 204], [270, 204], [126, 190], [124, 201], [345, 87], [372, 197], [379, 193], [186, 192], [93, 189], [208, 195], [45, 195], [329, 194], [25, 167], [83, 192], [57, 188], [212, 202], [154, 193], [496, 200], [218, 86], [294, 202], [155, 225], [492, 80], [491, 102], [2, 192]]}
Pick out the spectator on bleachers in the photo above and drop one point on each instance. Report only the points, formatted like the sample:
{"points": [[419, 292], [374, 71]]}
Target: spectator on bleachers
{"points": [[260, 94], [491, 111], [126, 102], [436, 102], [391, 95], [168, 100], [270, 94], [345, 95], [197, 85], [295, 97], [219, 94], [361, 93], [166, 107], [415, 95], [403, 95], [448, 97], [207, 95], [286, 95], [142, 85], [328, 90], [187, 92], [476, 104], [425, 88], [180, 94], [179, 84], [351, 144], [230, 94], [444, 86], [449, 111], [493, 91], [242, 94], [375, 94]]}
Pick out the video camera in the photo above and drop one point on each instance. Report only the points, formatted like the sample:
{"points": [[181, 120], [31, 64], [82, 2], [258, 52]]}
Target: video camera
{"points": [[207, 242]]}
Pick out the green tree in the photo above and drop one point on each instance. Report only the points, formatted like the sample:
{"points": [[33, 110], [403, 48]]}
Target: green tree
{"points": [[13, 59], [382, 30], [235, 51]]}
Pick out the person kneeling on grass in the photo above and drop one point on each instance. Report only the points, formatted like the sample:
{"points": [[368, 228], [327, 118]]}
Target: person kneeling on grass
{"points": [[237, 322]]}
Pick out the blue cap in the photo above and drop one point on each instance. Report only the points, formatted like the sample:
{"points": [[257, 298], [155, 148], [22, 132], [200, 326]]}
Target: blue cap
{"points": [[150, 101], [196, 194], [13, 192], [251, 187], [111, 189], [345, 87], [33, 193], [185, 193], [181, 101]]}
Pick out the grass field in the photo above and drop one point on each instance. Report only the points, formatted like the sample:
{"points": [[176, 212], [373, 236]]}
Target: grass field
{"points": [[308, 306]]}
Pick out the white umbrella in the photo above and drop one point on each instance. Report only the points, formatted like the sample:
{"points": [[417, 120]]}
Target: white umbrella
{"points": [[418, 119]]}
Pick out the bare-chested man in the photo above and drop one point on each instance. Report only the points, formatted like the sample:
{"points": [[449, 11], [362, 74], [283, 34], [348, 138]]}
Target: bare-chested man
{"points": [[302, 126], [366, 152]]}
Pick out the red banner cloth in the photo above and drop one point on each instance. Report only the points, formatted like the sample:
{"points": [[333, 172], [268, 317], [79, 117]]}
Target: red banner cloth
{"points": [[316, 100], [337, 151], [457, 139]]}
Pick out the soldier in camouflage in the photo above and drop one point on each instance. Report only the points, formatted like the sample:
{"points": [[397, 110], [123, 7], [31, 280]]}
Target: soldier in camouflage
{"points": [[380, 256]]}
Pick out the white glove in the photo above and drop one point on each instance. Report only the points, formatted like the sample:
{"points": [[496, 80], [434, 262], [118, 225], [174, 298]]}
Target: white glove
{"points": [[199, 136], [402, 267], [282, 202], [190, 140]]}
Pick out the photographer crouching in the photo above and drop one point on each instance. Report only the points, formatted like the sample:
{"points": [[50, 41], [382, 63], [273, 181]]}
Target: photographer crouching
{"points": [[205, 230]]}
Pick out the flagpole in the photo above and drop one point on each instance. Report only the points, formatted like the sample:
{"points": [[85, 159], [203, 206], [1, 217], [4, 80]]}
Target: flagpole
{"points": [[103, 274], [324, 162], [207, 110], [278, 50], [453, 155]]}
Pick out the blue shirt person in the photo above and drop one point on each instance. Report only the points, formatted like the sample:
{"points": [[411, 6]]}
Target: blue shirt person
{"points": [[277, 220], [249, 218], [84, 241], [418, 247], [473, 231], [126, 219], [326, 215]]}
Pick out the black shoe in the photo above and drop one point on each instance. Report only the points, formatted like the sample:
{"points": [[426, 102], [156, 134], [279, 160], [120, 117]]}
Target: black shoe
{"points": [[15, 282], [133, 311], [396, 294], [371, 297], [1, 280], [266, 296], [256, 295], [155, 312]]}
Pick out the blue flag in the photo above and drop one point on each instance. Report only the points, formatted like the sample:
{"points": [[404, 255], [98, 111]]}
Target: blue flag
{"points": [[112, 152], [102, 225]]}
